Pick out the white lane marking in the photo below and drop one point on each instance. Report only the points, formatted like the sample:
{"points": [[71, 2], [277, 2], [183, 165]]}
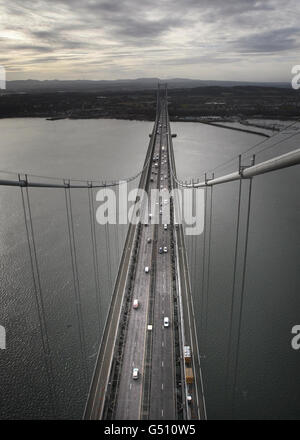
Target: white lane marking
{"points": [[162, 363], [162, 412], [162, 344], [130, 386], [162, 386]]}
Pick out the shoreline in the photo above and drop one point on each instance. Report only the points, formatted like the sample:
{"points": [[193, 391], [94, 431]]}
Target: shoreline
{"points": [[214, 124]]}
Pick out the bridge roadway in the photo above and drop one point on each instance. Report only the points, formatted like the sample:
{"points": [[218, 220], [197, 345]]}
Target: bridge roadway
{"points": [[130, 391], [163, 391], [127, 342]]}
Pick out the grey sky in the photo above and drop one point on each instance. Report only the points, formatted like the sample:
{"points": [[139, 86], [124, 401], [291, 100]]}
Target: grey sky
{"points": [[110, 39]]}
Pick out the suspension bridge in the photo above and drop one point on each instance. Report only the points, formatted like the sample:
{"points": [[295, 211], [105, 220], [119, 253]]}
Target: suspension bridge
{"points": [[151, 284]]}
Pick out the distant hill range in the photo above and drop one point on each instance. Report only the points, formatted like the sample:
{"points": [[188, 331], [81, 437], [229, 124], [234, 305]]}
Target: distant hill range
{"points": [[123, 85]]}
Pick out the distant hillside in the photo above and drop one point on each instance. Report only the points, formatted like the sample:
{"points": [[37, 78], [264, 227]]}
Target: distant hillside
{"points": [[123, 85]]}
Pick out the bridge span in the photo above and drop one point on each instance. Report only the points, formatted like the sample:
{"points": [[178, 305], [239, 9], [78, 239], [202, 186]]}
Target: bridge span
{"points": [[140, 338]]}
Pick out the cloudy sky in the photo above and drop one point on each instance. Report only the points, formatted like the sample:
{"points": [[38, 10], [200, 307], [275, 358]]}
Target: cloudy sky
{"points": [[111, 39]]}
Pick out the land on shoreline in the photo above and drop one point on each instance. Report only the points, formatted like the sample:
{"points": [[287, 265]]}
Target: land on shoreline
{"points": [[208, 104]]}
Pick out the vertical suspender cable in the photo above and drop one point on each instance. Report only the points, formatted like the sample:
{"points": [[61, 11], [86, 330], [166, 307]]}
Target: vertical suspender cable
{"points": [[95, 255], [73, 253], [233, 289], [208, 269], [195, 258], [193, 237], [241, 301], [39, 298], [108, 258], [203, 267], [117, 233]]}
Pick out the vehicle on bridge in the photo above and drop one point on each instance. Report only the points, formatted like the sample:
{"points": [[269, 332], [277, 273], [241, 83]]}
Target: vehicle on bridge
{"points": [[147, 269], [166, 321], [165, 249], [189, 375], [187, 354], [135, 303], [135, 373]]}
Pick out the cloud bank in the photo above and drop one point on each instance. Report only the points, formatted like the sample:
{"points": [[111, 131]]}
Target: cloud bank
{"points": [[112, 39]]}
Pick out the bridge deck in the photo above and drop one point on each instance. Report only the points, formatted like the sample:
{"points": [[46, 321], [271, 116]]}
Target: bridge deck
{"points": [[130, 393], [160, 391]]}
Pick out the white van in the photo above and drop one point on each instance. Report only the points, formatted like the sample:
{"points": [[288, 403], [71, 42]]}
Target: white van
{"points": [[166, 321], [147, 269], [135, 304]]}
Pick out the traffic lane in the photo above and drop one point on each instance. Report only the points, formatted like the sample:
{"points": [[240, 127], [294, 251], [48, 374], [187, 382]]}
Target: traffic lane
{"points": [[157, 396], [163, 362], [164, 380], [170, 410], [156, 374], [94, 409], [128, 400], [137, 325], [166, 304], [168, 352], [126, 404], [131, 408]]}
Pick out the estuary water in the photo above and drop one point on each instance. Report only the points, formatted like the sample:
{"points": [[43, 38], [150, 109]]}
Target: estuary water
{"points": [[266, 386]]}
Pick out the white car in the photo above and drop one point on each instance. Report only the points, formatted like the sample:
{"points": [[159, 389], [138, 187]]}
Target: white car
{"points": [[165, 249], [166, 321], [147, 269], [165, 227], [135, 373]]}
